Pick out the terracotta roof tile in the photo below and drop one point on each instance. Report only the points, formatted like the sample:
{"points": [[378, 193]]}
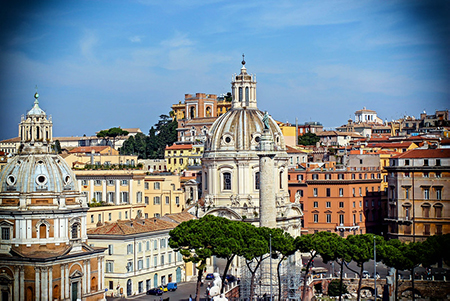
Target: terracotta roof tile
{"points": [[133, 227], [426, 153], [179, 146]]}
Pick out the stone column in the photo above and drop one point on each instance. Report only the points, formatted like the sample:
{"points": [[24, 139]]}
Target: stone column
{"points": [[67, 286], [88, 276], [22, 282], [84, 276], [91, 191], [44, 281], [37, 282], [267, 208], [130, 192], [104, 191], [100, 263], [117, 192], [16, 283], [63, 281], [50, 283]]}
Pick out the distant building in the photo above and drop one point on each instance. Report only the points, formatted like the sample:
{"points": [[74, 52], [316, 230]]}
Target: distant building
{"points": [[418, 195], [138, 254], [180, 156]]}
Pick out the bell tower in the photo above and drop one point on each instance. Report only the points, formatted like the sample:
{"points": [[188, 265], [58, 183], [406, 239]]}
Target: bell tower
{"points": [[243, 87], [35, 130]]}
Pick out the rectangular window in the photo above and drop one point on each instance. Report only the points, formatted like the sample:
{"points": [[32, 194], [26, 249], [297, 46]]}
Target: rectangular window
{"points": [[98, 182], [147, 262], [328, 192], [315, 176], [360, 218], [341, 192], [438, 211], [84, 182], [156, 200], [156, 185], [92, 218], [110, 182], [110, 197], [109, 216], [6, 233], [99, 217], [124, 197], [98, 196], [162, 243], [177, 200], [315, 191], [129, 249], [139, 197], [146, 200], [155, 245], [257, 180], [341, 219], [328, 218], [341, 176], [425, 162], [438, 175], [147, 245], [438, 193], [438, 163], [146, 186], [124, 182], [360, 191], [426, 194], [316, 218], [341, 204], [328, 204], [111, 285], [438, 229], [227, 181], [426, 230], [407, 193], [169, 259], [167, 200], [299, 177], [425, 174], [155, 261], [353, 192], [139, 247], [406, 162], [316, 204], [162, 259], [354, 204], [109, 266], [406, 174], [426, 211], [140, 264]]}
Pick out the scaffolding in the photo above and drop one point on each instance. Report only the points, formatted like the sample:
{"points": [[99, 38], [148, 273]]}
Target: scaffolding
{"points": [[290, 281]]}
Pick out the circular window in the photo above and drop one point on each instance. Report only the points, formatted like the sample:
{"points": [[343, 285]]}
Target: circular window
{"points": [[227, 139], [257, 139], [40, 162], [41, 180], [19, 162], [11, 180], [66, 180]]}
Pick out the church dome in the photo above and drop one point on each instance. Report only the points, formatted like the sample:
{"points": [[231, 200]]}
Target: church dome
{"points": [[241, 129], [37, 173]]}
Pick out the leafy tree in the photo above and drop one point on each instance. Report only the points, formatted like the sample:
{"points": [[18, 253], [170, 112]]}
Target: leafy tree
{"points": [[337, 288], [437, 247], [112, 133], [360, 247], [193, 240], [308, 139], [254, 250], [283, 246]]}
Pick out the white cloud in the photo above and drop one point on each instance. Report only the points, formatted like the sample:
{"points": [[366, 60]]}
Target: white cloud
{"points": [[135, 39]]}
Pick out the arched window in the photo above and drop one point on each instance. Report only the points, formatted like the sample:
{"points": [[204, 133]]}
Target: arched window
{"points": [[257, 180], [94, 284], [37, 133], [226, 181], [192, 112], [281, 179], [240, 94], [208, 112]]}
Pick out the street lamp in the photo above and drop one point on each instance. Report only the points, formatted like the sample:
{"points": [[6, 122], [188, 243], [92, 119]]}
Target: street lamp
{"points": [[375, 265]]}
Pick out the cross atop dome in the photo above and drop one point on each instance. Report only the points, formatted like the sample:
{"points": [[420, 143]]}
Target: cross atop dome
{"points": [[243, 60]]}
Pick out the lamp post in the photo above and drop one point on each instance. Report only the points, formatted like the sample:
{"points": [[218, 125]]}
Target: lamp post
{"points": [[375, 265], [270, 253]]}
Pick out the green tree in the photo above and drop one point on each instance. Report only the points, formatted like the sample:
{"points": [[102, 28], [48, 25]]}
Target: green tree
{"points": [[360, 247], [308, 139], [337, 288], [111, 133], [283, 246], [255, 249], [193, 240]]}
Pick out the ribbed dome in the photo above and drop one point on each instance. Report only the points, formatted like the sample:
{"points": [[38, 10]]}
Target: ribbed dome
{"points": [[241, 129], [37, 173]]}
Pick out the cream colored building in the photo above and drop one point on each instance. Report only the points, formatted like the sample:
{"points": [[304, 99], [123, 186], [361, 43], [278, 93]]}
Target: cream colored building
{"points": [[138, 256], [163, 194], [80, 160], [180, 156]]}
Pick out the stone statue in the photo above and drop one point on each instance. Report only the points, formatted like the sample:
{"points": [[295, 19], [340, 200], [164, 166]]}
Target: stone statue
{"points": [[297, 197], [265, 120], [214, 292]]}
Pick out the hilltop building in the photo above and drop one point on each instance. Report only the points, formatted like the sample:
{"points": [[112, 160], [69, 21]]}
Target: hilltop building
{"points": [[44, 253]]}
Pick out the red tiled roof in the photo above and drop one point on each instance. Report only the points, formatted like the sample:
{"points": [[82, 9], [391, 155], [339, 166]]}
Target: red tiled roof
{"points": [[179, 146], [391, 145], [426, 153], [291, 150], [179, 217], [88, 149], [11, 140], [133, 227]]}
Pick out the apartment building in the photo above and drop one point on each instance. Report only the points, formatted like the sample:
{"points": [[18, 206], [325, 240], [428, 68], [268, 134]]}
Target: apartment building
{"points": [[180, 156], [163, 195], [138, 255], [419, 194]]}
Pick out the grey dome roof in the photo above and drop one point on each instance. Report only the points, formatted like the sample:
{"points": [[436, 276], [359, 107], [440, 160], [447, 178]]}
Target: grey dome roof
{"points": [[241, 129], [37, 173]]}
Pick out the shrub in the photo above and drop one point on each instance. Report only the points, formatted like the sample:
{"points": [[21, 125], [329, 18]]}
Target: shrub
{"points": [[333, 288]]}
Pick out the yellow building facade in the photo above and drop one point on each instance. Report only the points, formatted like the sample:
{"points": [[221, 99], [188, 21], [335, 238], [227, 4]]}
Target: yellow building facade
{"points": [[180, 156]]}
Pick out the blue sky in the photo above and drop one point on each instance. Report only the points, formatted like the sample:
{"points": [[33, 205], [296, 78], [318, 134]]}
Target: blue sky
{"points": [[100, 64]]}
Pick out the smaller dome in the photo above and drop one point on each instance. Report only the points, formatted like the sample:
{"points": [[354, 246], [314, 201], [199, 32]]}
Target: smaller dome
{"points": [[37, 173], [36, 110]]}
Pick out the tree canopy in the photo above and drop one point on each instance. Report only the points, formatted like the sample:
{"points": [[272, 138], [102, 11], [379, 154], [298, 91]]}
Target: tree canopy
{"points": [[152, 146], [308, 139], [111, 133]]}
